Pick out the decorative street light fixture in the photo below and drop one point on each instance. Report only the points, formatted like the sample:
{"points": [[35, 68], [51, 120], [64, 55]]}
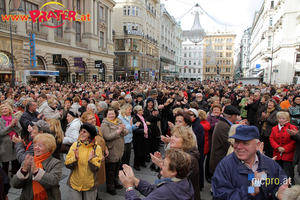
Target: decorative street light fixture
{"points": [[11, 43], [197, 33]]}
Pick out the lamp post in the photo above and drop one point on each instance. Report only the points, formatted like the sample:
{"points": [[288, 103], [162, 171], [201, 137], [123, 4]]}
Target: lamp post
{"points": [[270, 58], [11, 43]]}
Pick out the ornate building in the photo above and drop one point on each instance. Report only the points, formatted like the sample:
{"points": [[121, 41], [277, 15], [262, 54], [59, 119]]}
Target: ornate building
{"points": [[136, 38], [275, 41], [80, 43], [218, 57]]}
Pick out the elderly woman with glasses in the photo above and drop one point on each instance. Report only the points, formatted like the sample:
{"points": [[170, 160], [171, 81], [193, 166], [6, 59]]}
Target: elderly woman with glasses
{"points": [[173, 185], [92, 107], [40, 174]]}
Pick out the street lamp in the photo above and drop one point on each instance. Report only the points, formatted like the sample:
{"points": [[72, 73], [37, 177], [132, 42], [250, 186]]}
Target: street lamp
{"points": [[11, 43], [270, 58]]}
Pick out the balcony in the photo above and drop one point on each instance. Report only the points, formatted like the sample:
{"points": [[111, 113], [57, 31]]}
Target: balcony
{"points": [[5, 26], [37, 34]]}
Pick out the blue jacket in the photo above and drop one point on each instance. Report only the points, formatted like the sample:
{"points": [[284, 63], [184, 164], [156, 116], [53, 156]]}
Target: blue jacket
{"points": [[128, 138], [182, 190], [230, 180]]}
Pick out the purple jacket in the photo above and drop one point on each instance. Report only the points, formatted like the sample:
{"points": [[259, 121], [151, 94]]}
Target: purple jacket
{"points": [[182, 190], [213, 120]]}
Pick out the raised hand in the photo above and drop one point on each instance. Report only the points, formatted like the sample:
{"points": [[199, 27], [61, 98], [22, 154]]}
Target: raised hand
{"points": [[34, 169], [76, 152], [92, 154], [16, 139], [27, 163]]}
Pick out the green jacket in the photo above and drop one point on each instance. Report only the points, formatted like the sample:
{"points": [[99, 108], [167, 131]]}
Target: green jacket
{"points": [[243, 110]]}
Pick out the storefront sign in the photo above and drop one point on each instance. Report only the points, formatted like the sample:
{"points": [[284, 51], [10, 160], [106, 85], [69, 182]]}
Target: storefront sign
{"points": [[43, 73], [133, 32], [133, 68], [98, 64], [79, 65], [4, 62], [32, 50], [57, 59]]}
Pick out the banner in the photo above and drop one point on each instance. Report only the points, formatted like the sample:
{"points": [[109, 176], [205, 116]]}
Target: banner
{"points": [[32, 50], [79, 65]]}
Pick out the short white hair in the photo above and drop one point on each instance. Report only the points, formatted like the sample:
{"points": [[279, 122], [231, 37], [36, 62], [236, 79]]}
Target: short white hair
{"points": [[93, 107], [128, 96]]}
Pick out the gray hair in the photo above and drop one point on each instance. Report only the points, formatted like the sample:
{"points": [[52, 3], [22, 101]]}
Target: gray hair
{"points": [[22, 99], [199, 94], [103, 105], [94, 108], [137, 108], [128, 96]]}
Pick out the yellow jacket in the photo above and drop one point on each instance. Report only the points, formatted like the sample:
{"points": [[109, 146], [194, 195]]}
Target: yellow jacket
{"points": [[83, 176]]}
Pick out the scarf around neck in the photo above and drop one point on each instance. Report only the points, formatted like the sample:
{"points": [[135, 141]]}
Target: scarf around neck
{"points": [[144, 123], [269, 110], [8, 121], [159, 182], [115, 122], [39, 192]]}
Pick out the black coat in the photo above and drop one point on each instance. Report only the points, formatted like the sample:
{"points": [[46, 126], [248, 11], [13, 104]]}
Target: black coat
{"points": [[271, 122], [252, 108], [199, 132], [260, 110], [203, 105], [296, 159], [153, 129], [139, 141], [26, 119]]}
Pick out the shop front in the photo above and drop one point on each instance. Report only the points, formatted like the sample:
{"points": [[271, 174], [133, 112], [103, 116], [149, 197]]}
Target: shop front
{"points": [[80, 66], [5, 68]]}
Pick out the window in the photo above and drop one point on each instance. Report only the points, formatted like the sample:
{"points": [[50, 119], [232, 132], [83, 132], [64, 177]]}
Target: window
{"points": [[227, 41], [269, 41], [124, 26], [137, 11], [78, 6], [190, 48], [120, 61], [190, 71], [27, 6], [2, 8], [185, 55], [124, 10], [184, 62], [298, 58], [120, 44], [199, 71], [271, 21], [190, 62], [101, 39], [128, 11], [133, 11], [184, 70], [134, 61], [184, 48], [135, 45], [101, 12], [272, 4], [199, 62], [230, 40], [195, 55], [133, 26], [221, 54], [58, 32], [195, 62], [190, 55], [77, 28], [128, 26]]}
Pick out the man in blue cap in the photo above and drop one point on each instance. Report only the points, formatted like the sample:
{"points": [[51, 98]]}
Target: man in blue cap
{"points": [[234, 175]]}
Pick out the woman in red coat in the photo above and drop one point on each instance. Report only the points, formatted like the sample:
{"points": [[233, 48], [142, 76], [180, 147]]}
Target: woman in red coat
{"points": [[206, 127], [283, 145]]}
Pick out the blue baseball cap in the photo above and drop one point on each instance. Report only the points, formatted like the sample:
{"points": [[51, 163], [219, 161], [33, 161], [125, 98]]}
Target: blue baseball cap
{"points": [[246, 133]]}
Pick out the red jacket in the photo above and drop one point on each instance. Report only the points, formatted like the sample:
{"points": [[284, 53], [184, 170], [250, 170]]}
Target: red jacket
{"points": [[206, 127], [282, 139]]}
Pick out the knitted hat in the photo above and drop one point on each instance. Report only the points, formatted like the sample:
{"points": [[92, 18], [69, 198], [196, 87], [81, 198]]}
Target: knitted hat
{"points": [[89, 128]]}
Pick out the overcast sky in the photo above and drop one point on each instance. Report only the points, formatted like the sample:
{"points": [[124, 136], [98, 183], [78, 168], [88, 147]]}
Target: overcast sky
{"points": [[236, 15]]}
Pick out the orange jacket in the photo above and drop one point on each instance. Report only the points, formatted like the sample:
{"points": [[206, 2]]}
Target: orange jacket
{"points": [[285, 104]]}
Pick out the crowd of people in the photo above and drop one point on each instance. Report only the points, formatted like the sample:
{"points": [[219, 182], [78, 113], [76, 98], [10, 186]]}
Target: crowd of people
{"points": [[215, 131]]}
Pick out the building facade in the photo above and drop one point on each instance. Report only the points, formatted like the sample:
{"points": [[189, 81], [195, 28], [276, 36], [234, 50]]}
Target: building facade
{"points": [[78, 43], [136, 38], [192, 59], [275, 41], [170, 51], [245, 53], [218, 57]]}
